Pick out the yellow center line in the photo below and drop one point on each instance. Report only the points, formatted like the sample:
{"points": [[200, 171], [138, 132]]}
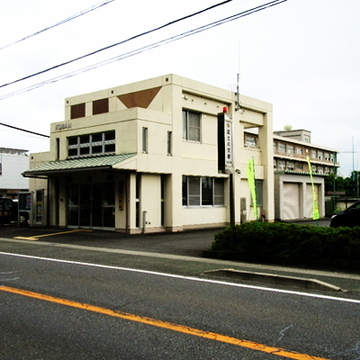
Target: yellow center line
{"points": [[36, 237], [166, 325]]}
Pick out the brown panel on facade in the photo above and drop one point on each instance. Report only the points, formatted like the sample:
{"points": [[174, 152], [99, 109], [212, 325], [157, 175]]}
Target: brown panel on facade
{"points": [[140, 98], [100, 106], [77, 111]]}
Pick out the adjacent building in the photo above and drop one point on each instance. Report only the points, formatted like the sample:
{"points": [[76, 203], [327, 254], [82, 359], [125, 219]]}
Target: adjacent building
{"points": [[294, 190], [13, 162], [164, 154]]}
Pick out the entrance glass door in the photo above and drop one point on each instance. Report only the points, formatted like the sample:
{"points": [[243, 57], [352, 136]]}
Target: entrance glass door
{"points": [[91, 205], [85, 205]]}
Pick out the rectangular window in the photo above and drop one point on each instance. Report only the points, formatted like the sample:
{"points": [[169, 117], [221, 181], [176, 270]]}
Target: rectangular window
{"points": [[144, 140], [250, 141], [206, 191], [91, 144], [194, 191], [290, 150], [169, 143], [259, 192], [219, 192], [100, 106], [77, 111], [282, 148], [191, 125], [203, 191], [289, 165], [299, 166]]}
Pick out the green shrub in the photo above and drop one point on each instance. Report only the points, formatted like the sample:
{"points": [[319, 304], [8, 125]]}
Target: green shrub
{"points": [[287, 243]]}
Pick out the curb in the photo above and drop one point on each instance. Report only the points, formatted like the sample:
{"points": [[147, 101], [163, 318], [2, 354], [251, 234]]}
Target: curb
{"points": [[274, 279]]}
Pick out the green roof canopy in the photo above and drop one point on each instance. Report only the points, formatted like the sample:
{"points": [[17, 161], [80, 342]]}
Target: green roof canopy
{"points": [[94, 163]]}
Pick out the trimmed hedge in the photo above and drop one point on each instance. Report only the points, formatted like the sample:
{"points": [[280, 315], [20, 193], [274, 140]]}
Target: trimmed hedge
{"points": [[287, 243]]}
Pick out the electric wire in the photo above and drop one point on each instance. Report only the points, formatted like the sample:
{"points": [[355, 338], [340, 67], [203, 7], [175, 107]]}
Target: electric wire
{"points": [[72, 17], [116, 44], [28, 131], [147, 47]]}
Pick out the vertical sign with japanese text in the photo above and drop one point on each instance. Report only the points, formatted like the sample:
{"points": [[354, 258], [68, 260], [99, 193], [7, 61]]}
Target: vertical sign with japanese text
{"points": [[225, 143], [228, 144]]}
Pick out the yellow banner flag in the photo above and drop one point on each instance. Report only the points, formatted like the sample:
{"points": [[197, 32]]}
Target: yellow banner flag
{"points": [[316, 214], [252, 185]]}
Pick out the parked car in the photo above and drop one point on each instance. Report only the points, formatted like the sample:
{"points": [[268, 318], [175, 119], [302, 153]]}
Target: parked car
{"points": [[349, 217]]}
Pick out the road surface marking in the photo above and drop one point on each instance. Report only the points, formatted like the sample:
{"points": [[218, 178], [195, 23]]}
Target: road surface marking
{"points": [[37, 237], [189, 278], [165, 325]]}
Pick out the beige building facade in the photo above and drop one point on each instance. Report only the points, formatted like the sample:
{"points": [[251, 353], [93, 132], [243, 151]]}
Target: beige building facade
{"points": [[144, 157]]}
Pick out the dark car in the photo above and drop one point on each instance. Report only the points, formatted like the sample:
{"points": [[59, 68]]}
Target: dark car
{"points": [[349, 217]]}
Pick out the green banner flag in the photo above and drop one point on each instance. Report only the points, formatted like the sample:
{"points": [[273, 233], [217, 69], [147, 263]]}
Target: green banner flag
{"points": [[252, 185], [316, 214]]}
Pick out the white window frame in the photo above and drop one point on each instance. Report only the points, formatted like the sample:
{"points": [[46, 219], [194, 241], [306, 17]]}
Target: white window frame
{"points": [[189, 129]]}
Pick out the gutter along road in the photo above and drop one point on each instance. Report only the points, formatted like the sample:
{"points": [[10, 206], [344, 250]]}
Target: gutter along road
{"points": [[92, 295]]}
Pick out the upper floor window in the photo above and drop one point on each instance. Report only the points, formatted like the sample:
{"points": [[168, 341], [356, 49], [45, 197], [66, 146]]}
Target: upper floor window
{"points": [[281, 148], [77, 111], [299, 151], [91, 144], [191, 125], [144, 139], [169, 143], [250, 141], [290, 150], [100, 106]]}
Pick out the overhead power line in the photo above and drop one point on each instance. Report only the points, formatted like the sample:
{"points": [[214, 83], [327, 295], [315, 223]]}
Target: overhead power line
{"points": [[148, 47], [28, 131], [72, 17], [116, 44]]}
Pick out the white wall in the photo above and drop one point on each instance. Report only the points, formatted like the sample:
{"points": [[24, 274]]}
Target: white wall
{"points": [[12, 168]]}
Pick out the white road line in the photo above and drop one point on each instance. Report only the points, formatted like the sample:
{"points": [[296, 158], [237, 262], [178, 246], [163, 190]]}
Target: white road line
{"points": [[283, 269], [289, 292]]}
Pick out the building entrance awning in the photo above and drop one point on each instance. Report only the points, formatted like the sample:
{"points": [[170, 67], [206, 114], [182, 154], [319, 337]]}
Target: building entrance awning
{"points": [[72, 165]]}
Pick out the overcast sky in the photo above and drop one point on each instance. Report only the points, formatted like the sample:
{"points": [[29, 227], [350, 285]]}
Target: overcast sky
{"points": [[302, 56]]}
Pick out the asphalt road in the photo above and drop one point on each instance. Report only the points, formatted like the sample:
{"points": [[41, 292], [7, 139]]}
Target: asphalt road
{"points": [[97, 295], [67, 310]]}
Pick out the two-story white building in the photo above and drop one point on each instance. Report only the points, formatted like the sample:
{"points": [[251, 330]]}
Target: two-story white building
{"points": [[144, 157], [13, 162]]}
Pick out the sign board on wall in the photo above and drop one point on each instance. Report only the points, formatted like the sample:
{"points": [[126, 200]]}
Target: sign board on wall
{"points": [[225, 143]]}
